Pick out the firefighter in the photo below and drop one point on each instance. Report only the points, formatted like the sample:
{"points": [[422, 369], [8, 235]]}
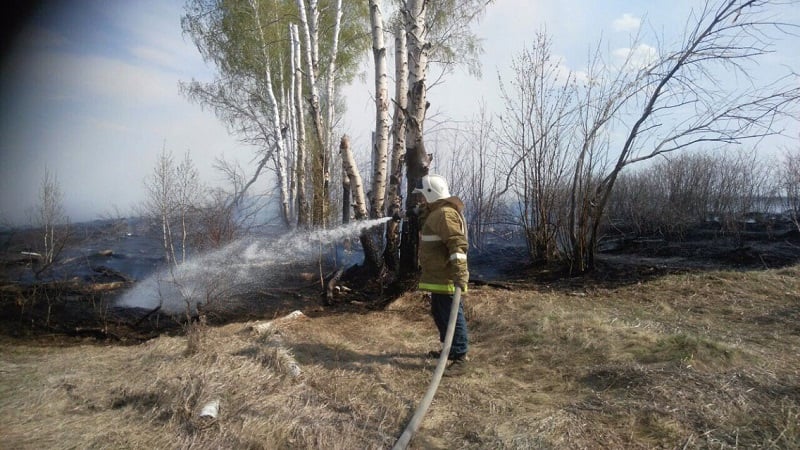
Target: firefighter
{"points": [[443, 259]]}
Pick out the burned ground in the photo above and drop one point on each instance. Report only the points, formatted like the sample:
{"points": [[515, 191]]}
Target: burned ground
{"points": [[80, 300]]}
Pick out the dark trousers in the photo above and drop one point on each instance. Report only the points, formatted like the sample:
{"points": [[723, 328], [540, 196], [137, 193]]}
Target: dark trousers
{"points": [[440, 309]]}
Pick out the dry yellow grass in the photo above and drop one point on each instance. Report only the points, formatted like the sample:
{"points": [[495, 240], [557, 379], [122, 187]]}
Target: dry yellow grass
{"points": [[705, 360]]}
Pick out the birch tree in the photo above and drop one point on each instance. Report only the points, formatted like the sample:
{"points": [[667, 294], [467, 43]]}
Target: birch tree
{"points": [[355, 181], [417, 159], [229, 36], [309, 27], [356, 187], [274, 114], [160, 200], [330, 81], [248, 40], [300, 126], [399, 121], [441, 29], [381, 144], [391, 254]]}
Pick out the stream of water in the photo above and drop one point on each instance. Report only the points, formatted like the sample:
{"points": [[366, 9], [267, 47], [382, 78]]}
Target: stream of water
{"points": [[234, 268]]}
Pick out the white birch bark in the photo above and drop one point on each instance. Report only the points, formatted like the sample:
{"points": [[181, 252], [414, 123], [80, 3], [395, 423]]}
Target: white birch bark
{"points": [[300, 127], [284, 106], [331, 78], [313, 28], [312, 68], [356, 185], [399, 126], [418, 49], [291, 142], [380, 150], [272, 105]]}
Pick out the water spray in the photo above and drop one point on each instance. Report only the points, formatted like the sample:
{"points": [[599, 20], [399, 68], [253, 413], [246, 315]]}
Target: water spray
{"points": [[233, 268]]}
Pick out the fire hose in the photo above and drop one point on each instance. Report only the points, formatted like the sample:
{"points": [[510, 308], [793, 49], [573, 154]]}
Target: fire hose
{"points": [[419, 414]]}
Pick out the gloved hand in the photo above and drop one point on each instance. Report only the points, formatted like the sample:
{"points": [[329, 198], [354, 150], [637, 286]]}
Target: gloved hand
{"points": [[461, 280], [416, 211]]}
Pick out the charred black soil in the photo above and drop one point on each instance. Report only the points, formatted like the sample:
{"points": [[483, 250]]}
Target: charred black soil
{"points": [[82, 306]]}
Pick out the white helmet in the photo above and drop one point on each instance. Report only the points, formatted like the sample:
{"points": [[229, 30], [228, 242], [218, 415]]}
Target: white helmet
{"points": [[434, 187]]}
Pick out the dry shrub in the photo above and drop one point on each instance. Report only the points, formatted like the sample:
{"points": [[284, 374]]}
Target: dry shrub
{"points": [[673, 195]]}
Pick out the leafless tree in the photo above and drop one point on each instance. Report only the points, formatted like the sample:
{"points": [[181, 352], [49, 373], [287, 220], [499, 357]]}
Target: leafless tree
{"points": [[469, 157], [482, 195], [681, 99], [175, 199], [666, 197], [221, 221], [52, 220], [187, 196], [160, 200], [534, 134]]}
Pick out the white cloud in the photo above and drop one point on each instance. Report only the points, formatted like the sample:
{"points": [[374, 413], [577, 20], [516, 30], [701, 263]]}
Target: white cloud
{"points": [[581, 77], [627, 22], [98, 78], [155, 30], [155, 56], [637, 57], [563, 71], [98, 112]]}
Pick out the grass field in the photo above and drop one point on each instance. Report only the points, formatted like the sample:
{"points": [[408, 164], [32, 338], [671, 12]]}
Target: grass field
{"points": [[699, 360]]}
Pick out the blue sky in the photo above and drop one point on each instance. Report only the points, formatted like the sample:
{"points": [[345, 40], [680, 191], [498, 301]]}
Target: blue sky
{"points": [[89, 90]]}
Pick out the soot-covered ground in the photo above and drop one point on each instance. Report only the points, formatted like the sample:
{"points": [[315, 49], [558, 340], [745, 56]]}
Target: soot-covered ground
{"points": [[78, 298]]}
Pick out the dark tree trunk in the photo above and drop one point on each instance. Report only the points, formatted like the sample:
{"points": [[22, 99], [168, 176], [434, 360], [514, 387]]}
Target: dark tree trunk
{"points": [[417, 162]]}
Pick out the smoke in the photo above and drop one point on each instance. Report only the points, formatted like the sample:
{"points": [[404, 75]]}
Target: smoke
{"points": [[235, 268]]}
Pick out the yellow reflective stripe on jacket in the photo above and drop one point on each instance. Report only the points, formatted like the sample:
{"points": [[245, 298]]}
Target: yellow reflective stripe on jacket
{"points": [[440, 288]]}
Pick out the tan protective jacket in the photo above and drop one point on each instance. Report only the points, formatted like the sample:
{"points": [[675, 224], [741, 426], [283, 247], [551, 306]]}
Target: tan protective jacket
{"points": [[443, 247]]}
